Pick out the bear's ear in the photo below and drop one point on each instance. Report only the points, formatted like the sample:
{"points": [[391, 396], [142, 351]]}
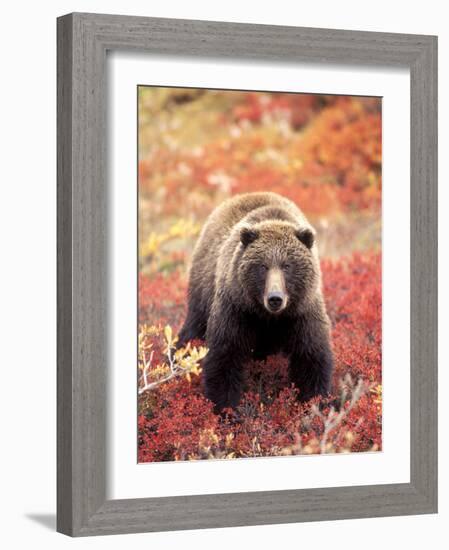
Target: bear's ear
{"points": [[306, 236], [248, 235]]}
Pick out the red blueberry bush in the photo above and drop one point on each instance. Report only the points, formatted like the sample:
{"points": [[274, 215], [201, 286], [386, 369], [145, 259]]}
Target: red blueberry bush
{"points": [[328, 161], [197, 148], [176, 422]]}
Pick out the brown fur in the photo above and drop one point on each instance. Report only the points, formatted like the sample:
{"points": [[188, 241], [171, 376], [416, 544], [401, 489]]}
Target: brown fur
{"points": [[253, 247]]}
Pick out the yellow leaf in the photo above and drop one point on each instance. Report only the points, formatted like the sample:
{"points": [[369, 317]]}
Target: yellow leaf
{"points": [[168, 334]]}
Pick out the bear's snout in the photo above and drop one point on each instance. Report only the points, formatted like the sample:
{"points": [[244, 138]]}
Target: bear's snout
{"points": [[275, 296], [275, 300]]}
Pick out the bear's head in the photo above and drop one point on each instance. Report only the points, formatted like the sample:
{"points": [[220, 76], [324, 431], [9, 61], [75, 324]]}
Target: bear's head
{"points": [[278, 267]]}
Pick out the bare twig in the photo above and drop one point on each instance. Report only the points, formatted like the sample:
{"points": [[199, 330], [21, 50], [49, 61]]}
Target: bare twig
{"points": [[333, 419], [175, 370]]}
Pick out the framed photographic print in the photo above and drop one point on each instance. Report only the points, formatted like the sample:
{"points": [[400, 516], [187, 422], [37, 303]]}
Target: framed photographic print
{"points": [[247, 284]]}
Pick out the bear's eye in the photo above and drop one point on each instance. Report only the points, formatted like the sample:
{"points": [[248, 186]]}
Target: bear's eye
{"points": [[263, 268], [286, 267]]}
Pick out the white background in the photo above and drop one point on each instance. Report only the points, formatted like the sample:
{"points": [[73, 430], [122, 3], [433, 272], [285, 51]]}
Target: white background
{"points": [[131, 480], [27, 217]]}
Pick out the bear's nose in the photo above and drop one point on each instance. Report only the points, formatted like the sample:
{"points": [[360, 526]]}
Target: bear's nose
{"points": [[275, 300]]}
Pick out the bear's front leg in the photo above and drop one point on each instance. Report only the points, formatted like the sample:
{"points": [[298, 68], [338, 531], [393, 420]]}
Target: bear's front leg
{"points": [[229, 349], [311, 361], [311, 373], [222, 376]]}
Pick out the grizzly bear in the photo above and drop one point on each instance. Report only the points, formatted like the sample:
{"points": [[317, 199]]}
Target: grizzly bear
{"points": [[255, 290]]}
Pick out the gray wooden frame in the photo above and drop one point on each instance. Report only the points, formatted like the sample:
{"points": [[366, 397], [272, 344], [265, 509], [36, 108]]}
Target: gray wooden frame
{"points": [[83, 40]]}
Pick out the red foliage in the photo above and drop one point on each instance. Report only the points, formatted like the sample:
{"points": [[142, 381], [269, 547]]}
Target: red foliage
{"points": [[328, 160], [162, 297], [298, 109], [177, 422], [322, 152]]}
